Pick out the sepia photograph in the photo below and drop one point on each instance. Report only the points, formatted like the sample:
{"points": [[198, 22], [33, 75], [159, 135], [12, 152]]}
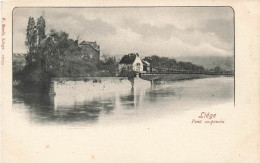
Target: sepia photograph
{"points": [[118, 65], [130, 81]]}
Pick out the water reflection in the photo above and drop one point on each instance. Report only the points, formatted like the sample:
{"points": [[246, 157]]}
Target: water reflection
{"points": [[135, 103]]}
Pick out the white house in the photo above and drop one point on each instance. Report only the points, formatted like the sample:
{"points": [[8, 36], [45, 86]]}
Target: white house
{"points": [[131, 61]]}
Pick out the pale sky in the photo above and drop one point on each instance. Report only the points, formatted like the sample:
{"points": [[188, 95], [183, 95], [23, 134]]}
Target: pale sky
{"points": [[164, 31]]}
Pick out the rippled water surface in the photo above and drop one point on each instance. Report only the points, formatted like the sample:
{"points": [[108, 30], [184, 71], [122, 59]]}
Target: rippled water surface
{"points": [[136, 104]]}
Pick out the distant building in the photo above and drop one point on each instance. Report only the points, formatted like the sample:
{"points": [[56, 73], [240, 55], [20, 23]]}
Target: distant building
{"points": [[90, 50], [147, 64], [19, 61], [130, 62]]}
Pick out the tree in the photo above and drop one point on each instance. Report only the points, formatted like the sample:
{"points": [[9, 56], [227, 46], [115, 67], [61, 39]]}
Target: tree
{"points": [[127, 73], [56, 55], [217, 69], [169, 64], [31, 38], [35, 71], [40, 29]]}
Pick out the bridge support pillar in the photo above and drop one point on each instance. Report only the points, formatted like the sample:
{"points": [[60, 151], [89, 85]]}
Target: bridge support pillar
{"points": [[152, 82], [137, 74]]}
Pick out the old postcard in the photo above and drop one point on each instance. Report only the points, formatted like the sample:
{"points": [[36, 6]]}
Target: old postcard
{"points": [[130, 82]]}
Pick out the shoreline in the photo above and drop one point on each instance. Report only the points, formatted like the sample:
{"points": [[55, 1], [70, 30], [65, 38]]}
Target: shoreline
{"points": [[179, 77]]}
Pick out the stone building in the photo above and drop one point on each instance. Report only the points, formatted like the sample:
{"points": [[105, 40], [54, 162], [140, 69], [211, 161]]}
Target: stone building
{"points": [[90, 50]]}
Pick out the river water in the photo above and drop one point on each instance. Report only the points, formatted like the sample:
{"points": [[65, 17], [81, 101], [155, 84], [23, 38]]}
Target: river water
{"points": [[124, 106]]}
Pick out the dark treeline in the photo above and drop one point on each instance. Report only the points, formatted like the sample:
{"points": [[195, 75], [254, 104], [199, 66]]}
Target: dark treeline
{"points": [[170, 64], [165, 64], [56, 55]]}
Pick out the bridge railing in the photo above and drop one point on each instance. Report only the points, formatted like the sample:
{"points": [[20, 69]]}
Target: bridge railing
{"points": [[183, 72]]}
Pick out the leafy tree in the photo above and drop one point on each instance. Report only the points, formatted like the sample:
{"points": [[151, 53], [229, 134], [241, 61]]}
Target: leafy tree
{"points": [[127, 73], [40, 29], [35, 70], [170, 64], [54, 49], [217, 69], [31, 40], [56, 55]]}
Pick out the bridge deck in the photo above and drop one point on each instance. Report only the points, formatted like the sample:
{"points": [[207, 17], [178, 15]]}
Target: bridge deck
{"points": [[202, 73]]}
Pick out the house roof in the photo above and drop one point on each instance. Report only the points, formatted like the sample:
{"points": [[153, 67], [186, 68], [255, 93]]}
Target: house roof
{"points": [[147, 59], [92, 44], [129, 58], [145, 62]]}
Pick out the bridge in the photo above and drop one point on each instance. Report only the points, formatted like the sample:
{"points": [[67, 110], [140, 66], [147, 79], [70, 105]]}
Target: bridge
{"points": [[226, 73], [152, 70], [181, 75]]}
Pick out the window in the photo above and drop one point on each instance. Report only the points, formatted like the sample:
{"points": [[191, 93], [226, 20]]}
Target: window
{"points": [[138, 66]]}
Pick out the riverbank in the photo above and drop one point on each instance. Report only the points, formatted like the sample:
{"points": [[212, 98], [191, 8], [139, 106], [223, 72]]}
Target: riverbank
{"points": [[176, 77]]}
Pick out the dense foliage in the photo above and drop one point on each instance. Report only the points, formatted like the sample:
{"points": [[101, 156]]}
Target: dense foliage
{"points": [[170, 64], [56, 55]]}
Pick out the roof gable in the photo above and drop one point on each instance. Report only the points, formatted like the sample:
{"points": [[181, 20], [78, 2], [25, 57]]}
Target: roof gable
{"points": [[129, 58], [92, 44], [145, 62]]}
